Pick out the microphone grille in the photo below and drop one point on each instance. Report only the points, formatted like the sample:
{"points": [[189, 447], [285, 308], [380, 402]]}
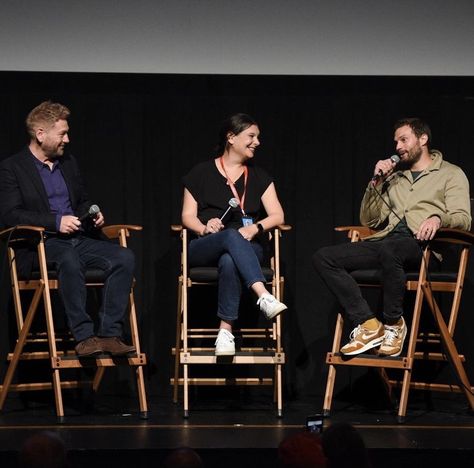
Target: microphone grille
{"points": [[93, 210], [395, 158], [233, 203]]}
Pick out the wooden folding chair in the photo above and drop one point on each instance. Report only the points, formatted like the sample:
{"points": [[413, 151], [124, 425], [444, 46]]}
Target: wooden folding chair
{"points": [[60, 353], [424, 283], [266, 346]]}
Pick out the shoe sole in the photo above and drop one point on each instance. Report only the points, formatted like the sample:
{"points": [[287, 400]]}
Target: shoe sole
{"points": [[94, 353], [127, 353], [372, 344], [224, 353], [276, 312]]}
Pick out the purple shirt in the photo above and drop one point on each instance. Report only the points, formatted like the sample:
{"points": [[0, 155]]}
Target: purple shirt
{"points": [[56, 189]]}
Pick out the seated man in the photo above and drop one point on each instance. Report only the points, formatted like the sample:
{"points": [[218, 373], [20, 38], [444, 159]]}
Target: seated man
{"points": [[42, 186], [408, 202]]}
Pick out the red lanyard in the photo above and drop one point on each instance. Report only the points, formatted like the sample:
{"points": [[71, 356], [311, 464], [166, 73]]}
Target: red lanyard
{"points": [[241, 200]]}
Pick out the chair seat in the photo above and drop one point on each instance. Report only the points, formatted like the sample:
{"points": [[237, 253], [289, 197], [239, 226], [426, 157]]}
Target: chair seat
{"points": [[210, 274], [92, 276], [374, 276]]}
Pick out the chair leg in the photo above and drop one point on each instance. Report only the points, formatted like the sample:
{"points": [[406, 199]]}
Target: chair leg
{"points": [[99, 373], [141, 393], [279, 391], [415, 323], [20, 344], [451, 351], [177, 345], [386, 382], [185, 391], [329, 390], [52, 351], [336, 344], [58, 397], [275, 390], [139, 370]]}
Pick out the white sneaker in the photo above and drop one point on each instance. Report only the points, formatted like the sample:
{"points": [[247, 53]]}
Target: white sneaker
{"points": [[270, 306], [225, 345]]}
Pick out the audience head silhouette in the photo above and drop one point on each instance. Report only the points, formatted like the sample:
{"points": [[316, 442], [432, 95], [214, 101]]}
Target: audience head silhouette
{"points": [[43, 450], [301, 450], [344, 447], [183, 457]]}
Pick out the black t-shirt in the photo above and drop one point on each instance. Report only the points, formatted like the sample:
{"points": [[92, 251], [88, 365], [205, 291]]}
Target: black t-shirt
{"points": [[212, 193]]}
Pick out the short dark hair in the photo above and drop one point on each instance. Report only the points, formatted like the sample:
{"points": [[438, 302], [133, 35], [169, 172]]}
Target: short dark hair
{"points": [[419, 127], [234, 124]]}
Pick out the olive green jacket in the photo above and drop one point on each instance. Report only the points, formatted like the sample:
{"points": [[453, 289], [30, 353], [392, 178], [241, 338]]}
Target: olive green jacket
{"points": [[442, 189]]}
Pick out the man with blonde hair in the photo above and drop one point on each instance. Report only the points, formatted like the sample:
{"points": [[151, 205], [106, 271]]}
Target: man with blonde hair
{"points": [[42, 186]]}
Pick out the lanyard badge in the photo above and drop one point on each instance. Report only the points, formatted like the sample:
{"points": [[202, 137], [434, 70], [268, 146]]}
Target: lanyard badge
{"points": [[241, 200]]}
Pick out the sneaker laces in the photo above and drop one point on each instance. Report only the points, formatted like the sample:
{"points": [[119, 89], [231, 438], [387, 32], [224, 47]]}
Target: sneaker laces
{"points": [[266, 299], [224, 335], [391, 334], [355, 332]]}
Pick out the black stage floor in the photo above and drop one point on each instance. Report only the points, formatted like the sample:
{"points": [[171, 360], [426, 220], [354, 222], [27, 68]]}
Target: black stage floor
{"points": [[234, 428]]}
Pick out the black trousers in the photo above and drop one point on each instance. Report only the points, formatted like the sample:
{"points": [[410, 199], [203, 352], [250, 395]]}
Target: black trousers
{"points": [[392, 255]]}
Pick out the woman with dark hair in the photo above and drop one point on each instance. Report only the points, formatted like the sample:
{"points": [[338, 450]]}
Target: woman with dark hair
{"points": [[222, 205]]}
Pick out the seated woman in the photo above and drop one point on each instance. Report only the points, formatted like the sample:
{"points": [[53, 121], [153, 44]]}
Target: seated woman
{"points": [[229, 238]]}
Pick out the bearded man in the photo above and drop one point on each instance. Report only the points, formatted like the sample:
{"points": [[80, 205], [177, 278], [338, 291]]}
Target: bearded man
{"points": [[408, 199], [42, 186]]}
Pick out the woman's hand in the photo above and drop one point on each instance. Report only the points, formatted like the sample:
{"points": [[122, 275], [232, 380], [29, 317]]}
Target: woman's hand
{"points": [[249, 232], [212, 226]]}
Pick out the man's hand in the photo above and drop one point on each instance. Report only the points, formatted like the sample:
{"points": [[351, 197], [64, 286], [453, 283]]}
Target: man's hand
{"points": [[69, 224], [99, 220], [428, 228], [382, 169]]}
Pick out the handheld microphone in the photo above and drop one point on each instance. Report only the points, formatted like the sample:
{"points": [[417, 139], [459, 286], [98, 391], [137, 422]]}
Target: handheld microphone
{"points": [[395, 159], [91, 213], [233, 203]]}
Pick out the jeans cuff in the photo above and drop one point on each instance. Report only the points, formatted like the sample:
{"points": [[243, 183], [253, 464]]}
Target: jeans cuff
{"points": [[227, 317], [261, 279]]}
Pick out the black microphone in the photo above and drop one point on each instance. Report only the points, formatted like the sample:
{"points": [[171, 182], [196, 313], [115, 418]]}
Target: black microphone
{"points": [[395, 160], [233, 203], [92, 213]]}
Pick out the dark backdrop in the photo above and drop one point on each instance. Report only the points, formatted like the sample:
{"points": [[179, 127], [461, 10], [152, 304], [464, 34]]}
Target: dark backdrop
{"points": [[136, 135]]}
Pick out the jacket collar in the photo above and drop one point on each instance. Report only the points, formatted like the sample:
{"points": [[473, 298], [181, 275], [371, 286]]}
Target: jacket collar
{"points": [[436, 161]]}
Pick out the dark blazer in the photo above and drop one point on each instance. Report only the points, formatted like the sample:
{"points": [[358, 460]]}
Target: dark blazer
{"points": [[23, 198]]}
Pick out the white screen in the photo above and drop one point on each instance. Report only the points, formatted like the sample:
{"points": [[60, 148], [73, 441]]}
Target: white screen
{"points": [[302, 37]]}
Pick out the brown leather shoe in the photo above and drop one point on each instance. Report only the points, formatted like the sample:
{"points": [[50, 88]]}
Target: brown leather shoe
{"points": [[89, 347], [115, 346]]}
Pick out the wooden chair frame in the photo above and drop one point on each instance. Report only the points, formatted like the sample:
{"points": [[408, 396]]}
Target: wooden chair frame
{"points": [[424, 288], [60, 359], [186, 354]]}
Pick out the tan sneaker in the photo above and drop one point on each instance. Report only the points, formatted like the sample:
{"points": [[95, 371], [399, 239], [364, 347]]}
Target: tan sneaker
{"points": [[394, 338], [362, 339]]}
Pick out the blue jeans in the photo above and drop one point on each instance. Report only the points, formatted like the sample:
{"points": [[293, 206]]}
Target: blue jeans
{"points": [[237, 260], [391, 255], [72, 257]]}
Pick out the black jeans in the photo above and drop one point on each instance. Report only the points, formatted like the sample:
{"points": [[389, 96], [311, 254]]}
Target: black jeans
{"points": [[392, 255], [72, 257]]}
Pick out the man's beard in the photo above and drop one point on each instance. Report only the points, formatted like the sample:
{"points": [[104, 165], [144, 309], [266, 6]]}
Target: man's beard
{"points": [[412, 157], [53, 153]]}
